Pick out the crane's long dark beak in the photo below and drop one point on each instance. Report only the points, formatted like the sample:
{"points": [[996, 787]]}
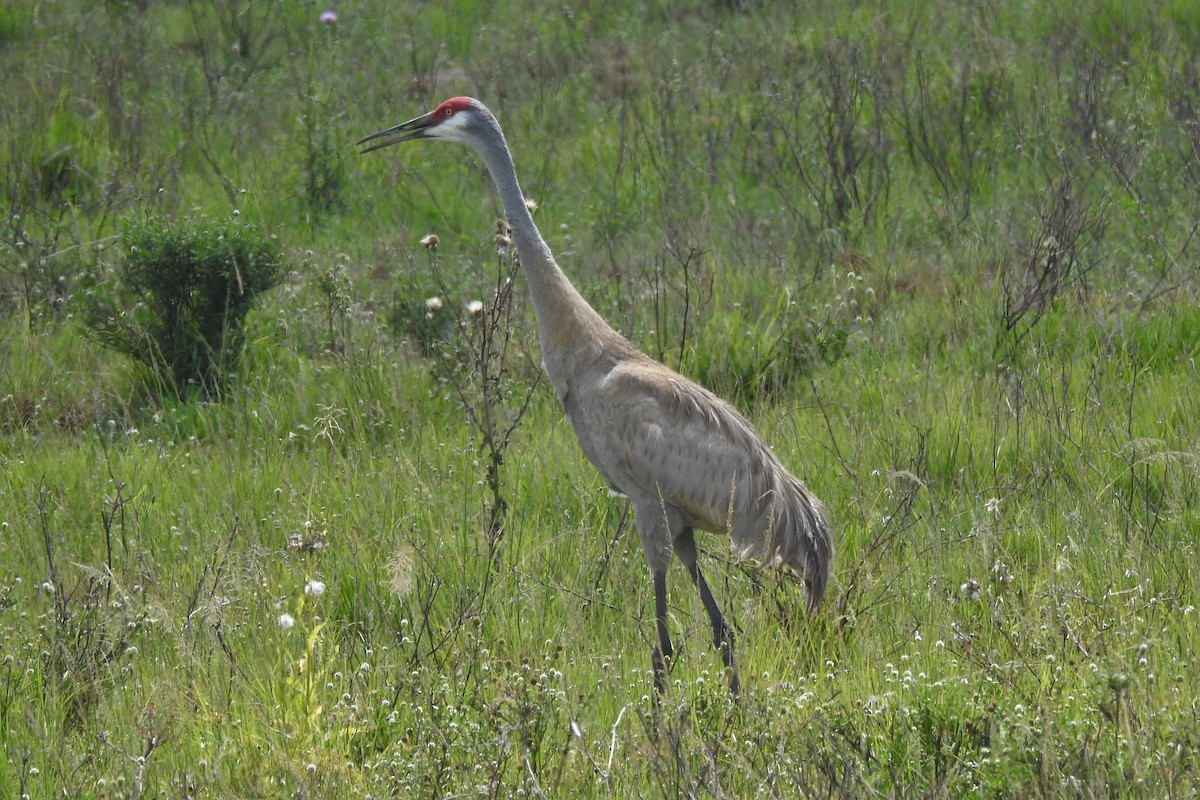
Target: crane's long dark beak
{"points": [[413, 129]]}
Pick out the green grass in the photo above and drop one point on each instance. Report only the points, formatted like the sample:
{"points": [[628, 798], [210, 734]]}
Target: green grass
{"points": [[942, 255]]}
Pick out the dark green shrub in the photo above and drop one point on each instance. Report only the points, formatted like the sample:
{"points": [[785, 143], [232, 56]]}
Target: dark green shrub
{"points": [[180, 296]]}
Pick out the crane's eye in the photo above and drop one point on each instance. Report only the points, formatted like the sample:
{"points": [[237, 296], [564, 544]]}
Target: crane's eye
{"points": [[449, 112]]}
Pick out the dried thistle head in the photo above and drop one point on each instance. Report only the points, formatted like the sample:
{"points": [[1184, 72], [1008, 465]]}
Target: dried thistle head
{"points": [[401, 570], [475, 308], [430, 241], [531, 204]]}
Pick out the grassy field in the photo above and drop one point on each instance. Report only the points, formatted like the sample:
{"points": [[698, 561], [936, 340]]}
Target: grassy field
{"points": [[942, 254]]}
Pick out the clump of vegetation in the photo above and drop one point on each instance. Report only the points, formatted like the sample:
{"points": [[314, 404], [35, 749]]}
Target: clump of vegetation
{"points": [[333, 284], [324, 171], [763, 346], [179, 297]]}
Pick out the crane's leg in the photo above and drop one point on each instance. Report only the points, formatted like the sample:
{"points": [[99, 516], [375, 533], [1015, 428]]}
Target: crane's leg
{"points": [[656, 525], [663, 650], [685, 548]]}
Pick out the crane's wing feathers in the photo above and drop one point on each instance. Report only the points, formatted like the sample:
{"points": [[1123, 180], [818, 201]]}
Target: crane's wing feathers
{"points": [[675, 442]]}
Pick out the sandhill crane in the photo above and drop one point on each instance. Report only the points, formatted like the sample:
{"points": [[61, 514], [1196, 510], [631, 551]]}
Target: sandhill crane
{"points": [[683, 457]]}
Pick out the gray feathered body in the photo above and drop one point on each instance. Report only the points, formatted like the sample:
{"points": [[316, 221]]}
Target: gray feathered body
{"points": [[670, 445]]}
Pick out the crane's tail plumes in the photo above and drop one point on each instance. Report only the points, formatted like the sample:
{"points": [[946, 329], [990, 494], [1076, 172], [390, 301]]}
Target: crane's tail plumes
{"points": [[803, 541], [796, 536]]}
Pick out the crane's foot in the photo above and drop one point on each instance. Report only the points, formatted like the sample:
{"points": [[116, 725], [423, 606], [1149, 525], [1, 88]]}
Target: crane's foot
{"points": [[735, 684], [660, 673], [660, 664], [724, 646]]}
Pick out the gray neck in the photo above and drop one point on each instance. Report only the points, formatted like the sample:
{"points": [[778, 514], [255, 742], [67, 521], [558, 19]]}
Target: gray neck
{"points": [[570, 330], [535, 253]]}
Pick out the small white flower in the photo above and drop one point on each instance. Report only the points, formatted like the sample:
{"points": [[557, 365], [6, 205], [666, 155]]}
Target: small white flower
{"points": [[433, 304], [286, 621], [314, 588]]}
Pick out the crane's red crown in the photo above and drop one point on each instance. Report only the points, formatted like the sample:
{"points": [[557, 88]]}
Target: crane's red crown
{"points": [[454, 104]]}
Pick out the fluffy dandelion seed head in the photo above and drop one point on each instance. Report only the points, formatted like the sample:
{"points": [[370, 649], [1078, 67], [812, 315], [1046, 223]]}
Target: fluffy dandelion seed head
{"points": [[314, 588], [401, 567], [531, 204], [475, 308], [433, 304], [430, 241], [286, 621]]}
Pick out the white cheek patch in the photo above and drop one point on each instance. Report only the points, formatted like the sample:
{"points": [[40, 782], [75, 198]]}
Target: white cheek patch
{"points": [[453, 128]]}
